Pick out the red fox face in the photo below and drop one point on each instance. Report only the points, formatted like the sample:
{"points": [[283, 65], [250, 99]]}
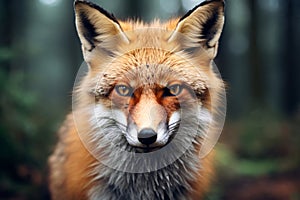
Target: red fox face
{"points": [[145, 78], [151, 111]]}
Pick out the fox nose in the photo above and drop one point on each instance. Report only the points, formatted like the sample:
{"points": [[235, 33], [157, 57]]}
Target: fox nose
{"points": [[147, 136]]}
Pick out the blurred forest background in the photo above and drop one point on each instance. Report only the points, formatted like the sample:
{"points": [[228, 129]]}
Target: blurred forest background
{"points": [[259, 149]]}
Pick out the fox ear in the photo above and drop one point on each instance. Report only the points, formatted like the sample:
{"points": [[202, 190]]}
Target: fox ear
{"points": [[201, 27], [96, 27]]}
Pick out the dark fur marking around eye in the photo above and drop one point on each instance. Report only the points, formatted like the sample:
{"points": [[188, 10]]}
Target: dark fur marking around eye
{"points": [[167, 93]]}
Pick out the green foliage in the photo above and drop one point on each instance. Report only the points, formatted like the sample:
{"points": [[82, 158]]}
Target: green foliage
{"points": [[258, 147], [235, 166], [260, 144], [259, 135], [6, 54], [25, 134]]}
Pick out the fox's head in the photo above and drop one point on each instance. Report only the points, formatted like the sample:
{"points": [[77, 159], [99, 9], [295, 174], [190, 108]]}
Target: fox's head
{"points": [[142, 78]]}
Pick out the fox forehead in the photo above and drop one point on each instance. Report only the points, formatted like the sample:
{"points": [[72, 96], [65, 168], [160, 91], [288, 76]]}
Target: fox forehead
{"points": [[148, 44], [154, 34], [151, 66], [135, 25]]}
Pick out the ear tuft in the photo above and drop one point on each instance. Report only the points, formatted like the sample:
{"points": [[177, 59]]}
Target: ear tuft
{"points": [[88, 30], [201, 26], [95, 25], [95, 6]]}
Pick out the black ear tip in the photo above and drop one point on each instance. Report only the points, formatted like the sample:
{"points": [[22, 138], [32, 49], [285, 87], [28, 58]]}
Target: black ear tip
{"points": [[76, 2], [79, 2], [220, 3], [84, 3]]}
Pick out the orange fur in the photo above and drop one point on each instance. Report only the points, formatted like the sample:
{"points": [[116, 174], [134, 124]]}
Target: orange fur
{"points": [[75, 181], [114, 48]]}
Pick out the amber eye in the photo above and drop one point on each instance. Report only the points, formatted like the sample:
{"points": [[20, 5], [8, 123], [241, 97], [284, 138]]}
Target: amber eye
{"points": [[175, 89], [123, 90]]}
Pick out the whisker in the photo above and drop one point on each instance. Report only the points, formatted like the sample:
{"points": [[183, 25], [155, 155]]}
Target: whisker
{"points": [[113, 120], [173, 127], [174, 123]]}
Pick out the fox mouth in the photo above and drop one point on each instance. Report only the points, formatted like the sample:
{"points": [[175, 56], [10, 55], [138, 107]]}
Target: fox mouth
{"points": [[154, 147], [147, 149], [147, 139]]}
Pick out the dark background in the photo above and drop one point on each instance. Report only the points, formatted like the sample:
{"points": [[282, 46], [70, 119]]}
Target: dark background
{"points": [[258, 156]]}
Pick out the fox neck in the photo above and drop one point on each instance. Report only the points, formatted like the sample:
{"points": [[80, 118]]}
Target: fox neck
{"points": [[113, 179], [171, 182]]}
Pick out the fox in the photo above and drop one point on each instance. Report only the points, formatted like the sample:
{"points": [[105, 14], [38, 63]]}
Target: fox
{"points": [[143, 108]]}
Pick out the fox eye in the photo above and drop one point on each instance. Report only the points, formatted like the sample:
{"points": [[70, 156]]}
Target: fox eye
{"points": [[123, 90], [175, 89]]}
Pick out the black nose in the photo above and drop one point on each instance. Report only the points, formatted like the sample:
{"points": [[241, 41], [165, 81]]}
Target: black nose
{"points": [[147, 136]]}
